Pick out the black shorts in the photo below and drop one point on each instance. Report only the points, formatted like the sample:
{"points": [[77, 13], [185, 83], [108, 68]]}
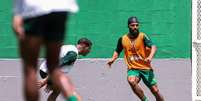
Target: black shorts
{"points": [[44, 75], [51, 27]]}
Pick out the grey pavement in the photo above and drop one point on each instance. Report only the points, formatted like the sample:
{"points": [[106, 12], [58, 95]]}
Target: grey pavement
{"points": [[96, 82]]}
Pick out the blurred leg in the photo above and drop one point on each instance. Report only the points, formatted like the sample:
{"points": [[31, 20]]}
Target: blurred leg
{"points": [[53, 96], [78, 96], [55, 32], [133, 81], [155, 91], [58, 77], [29, 51]]}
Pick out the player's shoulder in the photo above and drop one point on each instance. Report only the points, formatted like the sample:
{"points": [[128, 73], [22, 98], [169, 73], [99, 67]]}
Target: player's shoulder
{"points": [[142, 33], [124, 35], [66, 48]]}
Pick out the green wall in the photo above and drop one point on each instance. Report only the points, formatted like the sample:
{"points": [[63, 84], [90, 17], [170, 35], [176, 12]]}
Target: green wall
{"points": [[167, 22]]}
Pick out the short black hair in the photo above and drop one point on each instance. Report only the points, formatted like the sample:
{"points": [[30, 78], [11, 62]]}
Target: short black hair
{"points": [[84, 41]]}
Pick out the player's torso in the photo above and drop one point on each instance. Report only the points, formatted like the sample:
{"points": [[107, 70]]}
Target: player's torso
{"points": [[64, 51], [67, 48], [135, 52]]}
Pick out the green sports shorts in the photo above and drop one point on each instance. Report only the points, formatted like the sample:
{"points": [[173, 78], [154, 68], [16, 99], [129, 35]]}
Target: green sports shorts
{"points": [[146, 75]]}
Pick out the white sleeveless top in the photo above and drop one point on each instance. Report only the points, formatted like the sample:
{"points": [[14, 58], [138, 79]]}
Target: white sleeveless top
{"points": [[64, 50], [32, 8]]}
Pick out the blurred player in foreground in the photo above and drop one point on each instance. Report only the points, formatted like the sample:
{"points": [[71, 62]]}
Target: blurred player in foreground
{"points": [[37, 23]]}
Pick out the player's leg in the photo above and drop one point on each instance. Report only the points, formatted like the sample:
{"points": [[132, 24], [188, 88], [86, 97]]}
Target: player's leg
{"points": [[55, 29], [62, 82], [133, 80], [53, 96], [78, 96], [150, 81], [155, 91], [55, 93], [29, 51], [57, 77]]}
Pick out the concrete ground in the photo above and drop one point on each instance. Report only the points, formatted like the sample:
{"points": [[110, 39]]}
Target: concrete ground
{"points": [[96, 82]]}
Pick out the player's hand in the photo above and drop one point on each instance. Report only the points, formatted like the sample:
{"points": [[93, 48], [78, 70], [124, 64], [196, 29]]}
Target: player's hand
{"points": [[110, 62], [148, 59], [40, 84], [18, 27]]}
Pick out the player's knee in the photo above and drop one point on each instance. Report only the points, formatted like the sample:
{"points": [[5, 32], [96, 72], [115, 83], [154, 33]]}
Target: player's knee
{"points": [[51, 70], [29, 71], [155, 90], [54, 71], [132, 81]]}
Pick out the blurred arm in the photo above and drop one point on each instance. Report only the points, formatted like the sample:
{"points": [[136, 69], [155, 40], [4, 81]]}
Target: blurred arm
{"points": [[116, 53]]}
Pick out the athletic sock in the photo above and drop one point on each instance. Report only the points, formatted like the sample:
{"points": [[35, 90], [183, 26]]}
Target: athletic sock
{"points": [[145, 99], [72, 98]]}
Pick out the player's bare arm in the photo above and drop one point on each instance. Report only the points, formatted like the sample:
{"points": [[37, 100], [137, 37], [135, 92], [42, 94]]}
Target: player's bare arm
{"points": [[152, 53], [116, 53], [42, 82], [114, 57], [18, 26]]}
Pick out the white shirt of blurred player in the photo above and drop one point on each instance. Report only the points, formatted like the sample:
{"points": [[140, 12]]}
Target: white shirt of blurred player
{"points": [[33, 8], [64, 50]]}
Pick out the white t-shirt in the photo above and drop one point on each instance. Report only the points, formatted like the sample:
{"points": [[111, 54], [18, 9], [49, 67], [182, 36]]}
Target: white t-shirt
{"points": [[65, 49], [32, 8]]}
